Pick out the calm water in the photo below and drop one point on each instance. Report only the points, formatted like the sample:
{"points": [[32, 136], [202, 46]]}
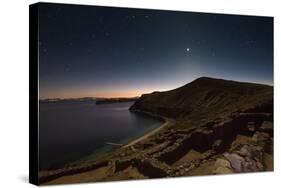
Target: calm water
{"points": [[69, 131]]}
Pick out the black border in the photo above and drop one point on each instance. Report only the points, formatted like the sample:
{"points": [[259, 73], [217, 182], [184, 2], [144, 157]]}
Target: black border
{"points": [[33, 94], [152, 9]]}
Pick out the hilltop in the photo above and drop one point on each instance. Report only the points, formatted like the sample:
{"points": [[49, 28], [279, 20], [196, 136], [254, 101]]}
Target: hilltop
{"points": [[207, 99]]}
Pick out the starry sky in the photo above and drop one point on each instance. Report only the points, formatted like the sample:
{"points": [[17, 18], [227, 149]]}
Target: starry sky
{"points": [[91, 51]]}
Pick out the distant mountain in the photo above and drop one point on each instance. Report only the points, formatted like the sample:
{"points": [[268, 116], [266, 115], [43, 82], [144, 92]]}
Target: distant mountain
{"points": [[97, 100], [54, 100], [115, 100], [207, 98]]}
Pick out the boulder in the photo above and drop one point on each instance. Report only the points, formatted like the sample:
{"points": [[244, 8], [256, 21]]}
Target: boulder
{"points": [[251, 151], [222, 163], [235, 161]]}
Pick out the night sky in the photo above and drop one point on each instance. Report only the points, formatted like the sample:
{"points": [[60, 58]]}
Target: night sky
{"points": [[88, 51]]}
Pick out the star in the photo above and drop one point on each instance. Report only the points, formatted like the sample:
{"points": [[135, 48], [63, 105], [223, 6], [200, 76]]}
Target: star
{"points": [[187, 49]]}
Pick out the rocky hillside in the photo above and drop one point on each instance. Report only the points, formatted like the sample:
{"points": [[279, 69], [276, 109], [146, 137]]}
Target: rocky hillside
{"points": [[207, 99]]}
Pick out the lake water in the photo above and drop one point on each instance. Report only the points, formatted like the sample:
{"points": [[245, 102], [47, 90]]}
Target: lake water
{"points": [[69, 131]]}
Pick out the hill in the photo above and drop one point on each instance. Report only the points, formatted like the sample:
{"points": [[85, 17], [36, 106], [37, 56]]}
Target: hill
{"points": [[207, 99]]}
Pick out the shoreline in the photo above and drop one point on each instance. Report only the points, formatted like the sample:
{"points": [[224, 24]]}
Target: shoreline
{"points": [[167, 122]]}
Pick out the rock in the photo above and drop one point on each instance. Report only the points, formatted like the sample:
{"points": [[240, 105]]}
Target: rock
{"points": [[260, 137], [207, 132], [182, 171], [257, 153], [251, 151], [207, 154], [223, 170], [267, 127], [191, 166], [248, 158], [260, 165], [249, 166], [251, 127], [252, 166], [218, 146], [222, 163], [235, 161], [244, 151], [178, 140]]}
